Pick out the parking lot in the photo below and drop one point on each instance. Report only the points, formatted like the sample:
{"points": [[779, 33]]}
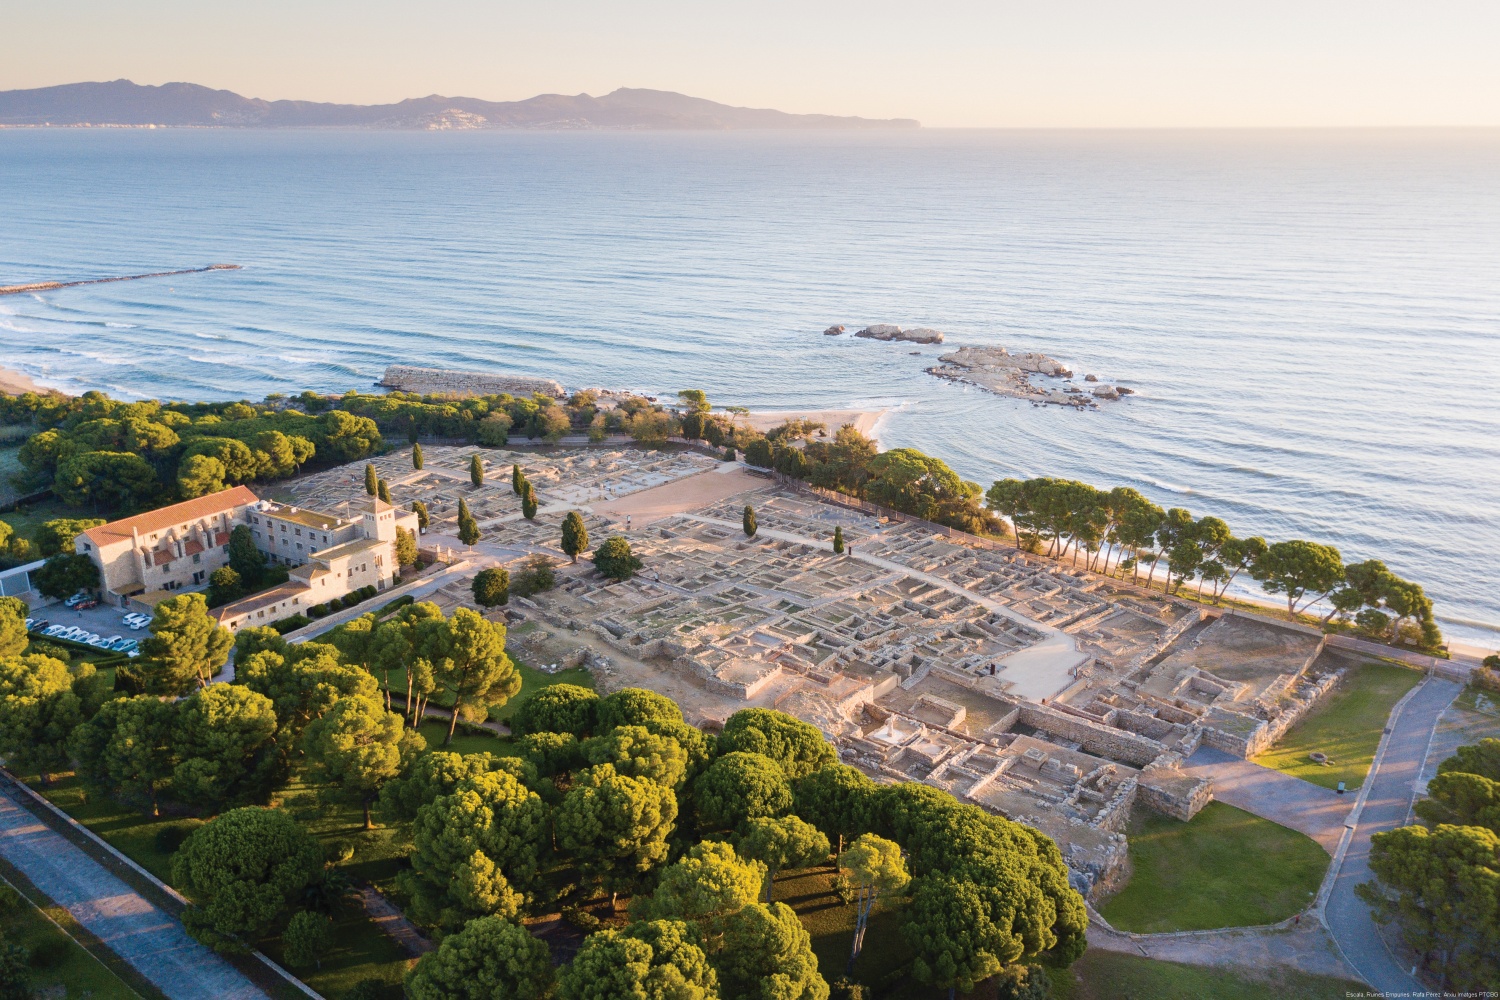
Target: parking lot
{"points": [[103, 620]]}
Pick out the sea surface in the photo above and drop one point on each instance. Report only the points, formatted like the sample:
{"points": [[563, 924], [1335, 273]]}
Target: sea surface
{"points": [[1310, 319]]}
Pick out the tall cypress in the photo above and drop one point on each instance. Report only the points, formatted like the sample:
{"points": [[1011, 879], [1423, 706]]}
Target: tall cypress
{"points": [[416, 456], [382, 490], [476, 471], [468, 528], [838, 539], [371, 480], [516, 479], [748, 520]]}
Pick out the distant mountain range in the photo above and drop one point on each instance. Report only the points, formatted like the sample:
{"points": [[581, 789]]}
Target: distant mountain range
{"points": [[122, 102]]}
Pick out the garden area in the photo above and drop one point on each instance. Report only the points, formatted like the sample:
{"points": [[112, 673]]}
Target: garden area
{"points": [[1346, 727], [55, 964], [1110, 975], [1224, 868]]}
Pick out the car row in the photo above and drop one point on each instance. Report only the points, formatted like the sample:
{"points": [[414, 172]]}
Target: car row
{"points": [[72, 633]]}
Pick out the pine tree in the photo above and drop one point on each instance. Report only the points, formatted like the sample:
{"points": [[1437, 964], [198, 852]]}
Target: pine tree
{"points": [[516, 479], [575, 534], [371, 480], [838, 539], [468, 528], [748, 521], [476, 471], [528, 501], [382, 490], [416, 456]]}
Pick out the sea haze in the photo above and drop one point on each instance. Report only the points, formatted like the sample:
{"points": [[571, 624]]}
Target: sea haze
{"points": [[1311, 319]]}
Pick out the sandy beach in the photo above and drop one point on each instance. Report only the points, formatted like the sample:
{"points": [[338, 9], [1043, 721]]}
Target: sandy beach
{"points": [[864, 421], [14, 383]]}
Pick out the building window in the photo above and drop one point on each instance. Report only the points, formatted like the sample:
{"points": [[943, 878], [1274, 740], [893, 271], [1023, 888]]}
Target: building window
{"points": [[298, 532], [197, 558]]}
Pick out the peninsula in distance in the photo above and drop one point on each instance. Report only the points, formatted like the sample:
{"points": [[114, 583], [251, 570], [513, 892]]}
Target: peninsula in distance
{"points": [[189, 105]]}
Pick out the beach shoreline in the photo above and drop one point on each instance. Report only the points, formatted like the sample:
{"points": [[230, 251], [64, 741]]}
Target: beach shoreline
{"points": [[867, 422], [15, 383]]}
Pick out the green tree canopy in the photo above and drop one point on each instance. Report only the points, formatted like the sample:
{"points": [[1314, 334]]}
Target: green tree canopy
{"points": [[767, 955], [875, 865], [66, 574], [1462, 800], [406, 548], [489, 959], [468, 528], [492, 587], [615, 825], [240, 870], [747, 521], [416, 456], [948, 927], [1303, 571], [839, 800], [372, 480], [575, 535], [557, 708], [469, 662], [799, 747], [614, 559], [127, 749], [654, 960], [635, 706], [306, 939], [476, 471], [225, 742], [359, 746], [200, 475], [429, 776], [639, 753], [739, 786], [186, 647], [13, 637], [59, 534], [551, 753], [781, 842], [39, 708], [1482, 758]]}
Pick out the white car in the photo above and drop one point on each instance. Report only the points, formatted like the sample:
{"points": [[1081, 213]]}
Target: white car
{"points": [[123, 645], [136, 620], [54, 630]]}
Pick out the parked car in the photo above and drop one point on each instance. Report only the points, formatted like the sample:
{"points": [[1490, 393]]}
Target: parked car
{"points": [[136, 620], [36, 624], [85, 605], [54, 630], [123, 645], [76, 600]]}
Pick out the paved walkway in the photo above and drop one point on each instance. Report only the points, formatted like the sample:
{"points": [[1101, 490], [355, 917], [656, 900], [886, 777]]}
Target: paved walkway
{"points": [[149, 938], [1306, 947], [1391, 787], [1299, 805]]}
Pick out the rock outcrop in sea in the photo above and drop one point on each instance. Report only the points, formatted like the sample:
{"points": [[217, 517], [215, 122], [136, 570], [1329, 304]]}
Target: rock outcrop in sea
{"points": [[997, 370], [446, 382], [888, 331]]}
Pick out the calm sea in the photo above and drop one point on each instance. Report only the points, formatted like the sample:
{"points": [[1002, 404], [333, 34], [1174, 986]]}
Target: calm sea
{"points": [[1311, 319]]}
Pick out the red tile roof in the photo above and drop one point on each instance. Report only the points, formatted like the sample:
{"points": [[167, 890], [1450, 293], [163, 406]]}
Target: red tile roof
{"points": [[170, 517]]}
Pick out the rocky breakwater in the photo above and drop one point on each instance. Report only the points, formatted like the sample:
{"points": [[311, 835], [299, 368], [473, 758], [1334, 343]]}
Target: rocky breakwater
{"points": [[997, 370], [443, 382]]}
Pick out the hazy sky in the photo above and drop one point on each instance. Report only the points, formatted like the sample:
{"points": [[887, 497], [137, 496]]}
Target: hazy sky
{"points": [[946, 62]]}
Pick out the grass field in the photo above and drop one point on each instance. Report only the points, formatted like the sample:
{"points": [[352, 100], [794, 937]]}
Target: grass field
{"points": [[1108, 975], [1225, 868], [30, 516], [831, 923], [59, 966], [1346, 727], [532, 681]]}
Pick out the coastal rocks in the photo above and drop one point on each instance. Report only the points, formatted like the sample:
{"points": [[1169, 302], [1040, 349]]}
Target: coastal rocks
{"points": [[443, 382], [997, 370], [887, 331], [834, 331]]}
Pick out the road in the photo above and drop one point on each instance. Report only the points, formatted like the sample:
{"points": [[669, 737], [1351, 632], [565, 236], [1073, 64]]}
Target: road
{"points": [[1391, 787], [149, 938]]}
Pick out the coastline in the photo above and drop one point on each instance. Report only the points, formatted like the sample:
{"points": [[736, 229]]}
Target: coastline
{"points": [[867, 422], [15, 383]]}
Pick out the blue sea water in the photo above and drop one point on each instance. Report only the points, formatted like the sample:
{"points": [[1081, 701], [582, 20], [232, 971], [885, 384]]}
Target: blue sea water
{"points": [[1311, 319]]}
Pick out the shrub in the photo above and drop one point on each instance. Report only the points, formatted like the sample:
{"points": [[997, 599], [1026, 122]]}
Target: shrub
{"points": [[534, 576], [291, 623]]}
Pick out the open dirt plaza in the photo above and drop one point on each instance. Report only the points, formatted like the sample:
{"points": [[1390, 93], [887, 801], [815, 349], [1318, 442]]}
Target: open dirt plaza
{"points": [[1035, 690]]}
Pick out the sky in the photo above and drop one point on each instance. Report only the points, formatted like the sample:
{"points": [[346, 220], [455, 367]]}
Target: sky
{"points": [[958, 63]]}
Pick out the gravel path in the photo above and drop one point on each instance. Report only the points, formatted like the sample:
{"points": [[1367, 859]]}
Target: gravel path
{"points": [[1296, 804], [150, 939]]}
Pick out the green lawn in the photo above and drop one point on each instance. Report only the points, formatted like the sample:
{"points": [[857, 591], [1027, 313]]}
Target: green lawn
{"points": [[434, 731], [532, 681], [1346, 726], [1225, 868], [1109, 975], [831, 923], [60, 966], [29, 517]]}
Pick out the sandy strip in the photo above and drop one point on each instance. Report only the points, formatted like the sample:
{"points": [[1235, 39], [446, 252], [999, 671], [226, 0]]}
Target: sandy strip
{"points": [[15, 383], [676, 498], [864, 421]]}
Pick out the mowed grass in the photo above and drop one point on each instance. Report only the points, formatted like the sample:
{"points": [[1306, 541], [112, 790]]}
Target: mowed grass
{"points": [[1225, 868], [58, 966], [1347, 727], [532, 681], [1109, 975], [830, 921]]}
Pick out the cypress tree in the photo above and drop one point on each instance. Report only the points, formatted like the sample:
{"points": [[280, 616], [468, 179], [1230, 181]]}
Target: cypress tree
{"points": [[516, 479], [420, 509], [382, 490], [528, 501], [416, 456], [468, 528], [749, 521], [371, 480], [575, 534], [476, 471], [838, 539]]}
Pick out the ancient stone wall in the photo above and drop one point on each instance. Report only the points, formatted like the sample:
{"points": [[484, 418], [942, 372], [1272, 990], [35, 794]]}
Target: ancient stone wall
{"points": [[1101, 741], [443, 382]]}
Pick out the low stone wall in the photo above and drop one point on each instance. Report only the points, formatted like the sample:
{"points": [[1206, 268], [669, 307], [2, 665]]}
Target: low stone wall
{"points": [[444, 382], [1101, 741]]}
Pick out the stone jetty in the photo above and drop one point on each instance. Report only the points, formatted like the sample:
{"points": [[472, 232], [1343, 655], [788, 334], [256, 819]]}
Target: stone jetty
{"points": [[47, 286], [446, 382]]}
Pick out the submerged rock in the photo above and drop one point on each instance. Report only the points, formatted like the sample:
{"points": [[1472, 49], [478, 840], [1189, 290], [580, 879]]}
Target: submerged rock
{"points": [[834, 331], [887, 331]]}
